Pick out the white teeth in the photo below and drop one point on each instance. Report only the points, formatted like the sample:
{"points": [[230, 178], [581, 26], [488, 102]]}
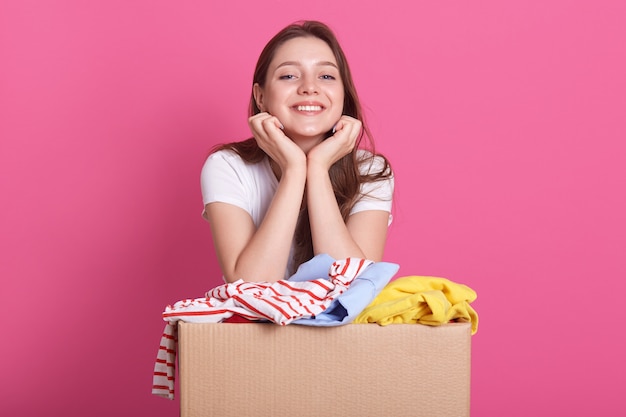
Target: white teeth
{"points": [[309, 108]]}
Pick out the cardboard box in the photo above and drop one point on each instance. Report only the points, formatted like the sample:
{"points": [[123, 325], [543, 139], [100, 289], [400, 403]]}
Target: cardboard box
{"points": [[261, 369]]}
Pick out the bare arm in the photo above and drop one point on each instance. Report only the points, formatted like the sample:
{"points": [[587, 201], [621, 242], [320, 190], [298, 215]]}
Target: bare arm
{"points": [[262, 254], [365, 233], [252, 254]]}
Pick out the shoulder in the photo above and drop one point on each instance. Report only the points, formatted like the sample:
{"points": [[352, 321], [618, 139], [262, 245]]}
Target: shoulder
{"points": [[228, 167], [224, 156], [373, 164], [227, 160], [377, 178]]}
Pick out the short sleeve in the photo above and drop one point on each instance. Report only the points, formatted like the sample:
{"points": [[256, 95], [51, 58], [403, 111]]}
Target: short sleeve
{"points": [[377, 195], [220, 180]]}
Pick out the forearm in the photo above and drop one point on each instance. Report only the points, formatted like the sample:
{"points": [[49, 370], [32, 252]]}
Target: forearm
{"points": [[266, 255], [328, 230]]}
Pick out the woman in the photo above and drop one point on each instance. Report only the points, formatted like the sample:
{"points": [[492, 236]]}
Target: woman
{"points": [[301, 186]]}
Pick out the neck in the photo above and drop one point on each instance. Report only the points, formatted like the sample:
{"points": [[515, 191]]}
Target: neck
{"points": [[307, 143]]}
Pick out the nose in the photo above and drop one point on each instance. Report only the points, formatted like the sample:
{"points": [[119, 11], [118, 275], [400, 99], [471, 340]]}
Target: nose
{"points": [[308, 86]]}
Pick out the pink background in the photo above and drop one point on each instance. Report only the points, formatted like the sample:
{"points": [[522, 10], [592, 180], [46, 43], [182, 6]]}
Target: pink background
{"points": [[505, 123]]}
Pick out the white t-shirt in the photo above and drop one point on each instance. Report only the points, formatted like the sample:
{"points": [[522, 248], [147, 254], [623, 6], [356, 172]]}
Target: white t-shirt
{"points": [[226, 178]]}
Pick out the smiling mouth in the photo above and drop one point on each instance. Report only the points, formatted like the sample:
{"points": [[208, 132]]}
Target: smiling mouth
{"points": [[309, 108]]}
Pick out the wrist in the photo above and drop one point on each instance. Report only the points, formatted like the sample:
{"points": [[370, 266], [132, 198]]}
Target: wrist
{"points": [[316, 166], [315, 169], [294, 171]]}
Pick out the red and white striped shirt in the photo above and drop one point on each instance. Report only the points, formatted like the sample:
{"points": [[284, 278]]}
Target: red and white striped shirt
{"points": [[280, 302]]}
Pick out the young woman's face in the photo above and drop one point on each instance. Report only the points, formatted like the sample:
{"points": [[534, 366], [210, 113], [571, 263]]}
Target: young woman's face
{"points": [[303, 89]]}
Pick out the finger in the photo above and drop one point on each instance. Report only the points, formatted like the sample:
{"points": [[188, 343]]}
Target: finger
{"points": [[264, 124], [347, 122], [272, 126], [346, 130], [258, 116], [257, 120], [338, 126], [352, 125], [273, 121]]}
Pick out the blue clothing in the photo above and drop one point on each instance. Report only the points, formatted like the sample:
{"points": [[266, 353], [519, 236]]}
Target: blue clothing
{"points": [[353, 301]]}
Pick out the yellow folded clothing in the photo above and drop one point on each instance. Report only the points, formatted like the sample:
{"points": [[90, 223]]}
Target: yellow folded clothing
{"points": [[425, 300]]}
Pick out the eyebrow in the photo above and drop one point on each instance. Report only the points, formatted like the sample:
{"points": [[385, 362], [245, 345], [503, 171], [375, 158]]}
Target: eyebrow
{"points": [[297, 64]]}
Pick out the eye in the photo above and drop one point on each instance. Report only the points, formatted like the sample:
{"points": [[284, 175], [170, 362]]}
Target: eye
{"points": [[287, 77], [327, 77]]}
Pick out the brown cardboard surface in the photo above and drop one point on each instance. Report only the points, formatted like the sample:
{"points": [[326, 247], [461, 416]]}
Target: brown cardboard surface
{"points": [[352, 370]]}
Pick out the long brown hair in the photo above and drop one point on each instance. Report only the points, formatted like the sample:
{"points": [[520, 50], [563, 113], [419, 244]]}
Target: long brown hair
{"points": [[345, 175]]}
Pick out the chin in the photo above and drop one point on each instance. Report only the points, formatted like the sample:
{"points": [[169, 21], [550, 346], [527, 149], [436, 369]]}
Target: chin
{"points": [[317, 131]]}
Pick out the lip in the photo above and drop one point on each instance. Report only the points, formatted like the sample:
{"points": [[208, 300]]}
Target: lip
{"points": [[299, 107]]}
